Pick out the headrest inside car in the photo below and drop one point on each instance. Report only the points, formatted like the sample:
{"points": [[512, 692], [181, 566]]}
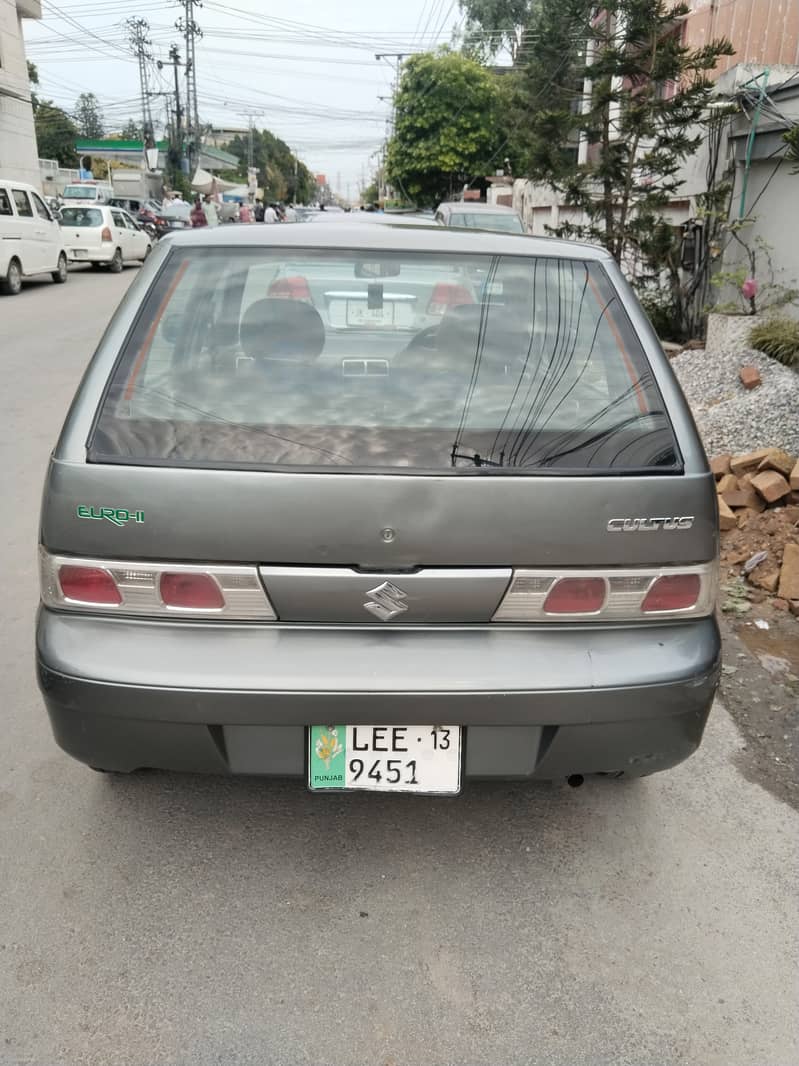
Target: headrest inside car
{"points": [[282, 329]]}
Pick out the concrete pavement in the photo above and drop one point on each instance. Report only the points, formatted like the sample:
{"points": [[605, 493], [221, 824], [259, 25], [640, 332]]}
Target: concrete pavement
{"points": [[182, 920]]}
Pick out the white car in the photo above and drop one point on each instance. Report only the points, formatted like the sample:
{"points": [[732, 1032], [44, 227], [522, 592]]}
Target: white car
{"points": [[102, 235], [30, 238]]}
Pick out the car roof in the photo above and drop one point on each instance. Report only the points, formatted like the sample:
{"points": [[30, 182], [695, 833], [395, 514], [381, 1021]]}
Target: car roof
{"points": [[384, 237], [477, 206]]}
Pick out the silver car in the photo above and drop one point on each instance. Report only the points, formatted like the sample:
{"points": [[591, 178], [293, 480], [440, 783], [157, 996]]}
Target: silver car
{"points": [[382, 508], [474, 214]]}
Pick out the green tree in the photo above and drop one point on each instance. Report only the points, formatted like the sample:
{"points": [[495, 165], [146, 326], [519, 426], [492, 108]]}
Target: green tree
{"points": [[88, 116], [448, 129], [55, 134], [791, 138], [492, 25], [280, 173], [645, 114], [131, 131], [33, 80]]}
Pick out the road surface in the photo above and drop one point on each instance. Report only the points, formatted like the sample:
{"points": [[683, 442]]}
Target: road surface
{"points": [[182, 921]]}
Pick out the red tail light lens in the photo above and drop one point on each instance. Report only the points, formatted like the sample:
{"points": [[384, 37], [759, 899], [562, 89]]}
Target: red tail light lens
{"points": [[88, 584], [676, 592], [195, 592], [446, 295], [295, 288], [576, 595], [106, 234]]}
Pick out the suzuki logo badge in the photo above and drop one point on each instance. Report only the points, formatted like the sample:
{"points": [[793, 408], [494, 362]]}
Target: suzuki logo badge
{"points": [[387, 601]]}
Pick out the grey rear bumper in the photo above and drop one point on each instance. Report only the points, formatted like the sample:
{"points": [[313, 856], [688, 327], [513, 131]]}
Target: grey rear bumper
{"points": [[537, 702]]}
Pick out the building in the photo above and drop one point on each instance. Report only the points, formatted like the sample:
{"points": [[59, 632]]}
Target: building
{"points": [[762, 78], [763, 32], [19, 157], [221, 135]]}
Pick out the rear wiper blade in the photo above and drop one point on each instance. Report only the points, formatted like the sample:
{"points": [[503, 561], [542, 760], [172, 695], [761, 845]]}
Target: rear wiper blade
{"points": [[476, 459]]}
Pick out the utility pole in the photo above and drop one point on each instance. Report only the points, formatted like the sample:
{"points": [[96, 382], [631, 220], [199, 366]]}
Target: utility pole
{"points": [[176, 140], [397, 66], [191, 31], [398, 57], [138, 36]]}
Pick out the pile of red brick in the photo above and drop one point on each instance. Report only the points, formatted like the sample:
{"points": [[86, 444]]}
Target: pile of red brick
{"points": [[758, 495]]}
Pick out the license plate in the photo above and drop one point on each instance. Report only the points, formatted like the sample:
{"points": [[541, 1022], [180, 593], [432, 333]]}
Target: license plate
{"points": [[385, 758], [358, 314], [79, 253]]}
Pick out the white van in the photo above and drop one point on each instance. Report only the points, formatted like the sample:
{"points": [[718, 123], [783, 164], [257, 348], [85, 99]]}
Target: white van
{"points": [[89, 192], [30, 238]]}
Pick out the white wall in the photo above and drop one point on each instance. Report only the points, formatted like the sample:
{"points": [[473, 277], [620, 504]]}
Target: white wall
{"points": [[18, 154]]}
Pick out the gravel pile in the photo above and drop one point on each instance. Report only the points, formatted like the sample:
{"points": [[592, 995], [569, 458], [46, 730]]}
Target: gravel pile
{"points": [[729, 418]]}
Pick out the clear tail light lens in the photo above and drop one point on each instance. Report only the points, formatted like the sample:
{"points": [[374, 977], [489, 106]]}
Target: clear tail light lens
{"points": [[295, 288], [446, 295], [153, 590], [576, 595], [106, 234], [611, 595], [89, 585]]}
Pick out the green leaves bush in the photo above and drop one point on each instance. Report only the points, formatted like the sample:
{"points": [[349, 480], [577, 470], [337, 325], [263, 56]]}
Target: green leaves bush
{"points": [[779, 338]]}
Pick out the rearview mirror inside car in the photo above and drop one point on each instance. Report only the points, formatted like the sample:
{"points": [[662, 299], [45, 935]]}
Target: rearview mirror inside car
{"points": [[381, 269]]}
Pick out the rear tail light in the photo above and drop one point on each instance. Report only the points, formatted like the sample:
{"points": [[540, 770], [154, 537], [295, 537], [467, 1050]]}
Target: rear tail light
{"points": [[446, 295], [106, 234], [295, 288], [154, 590], [576, 595], [191, 592], [88, 584], [611, 595], [673, 592]]}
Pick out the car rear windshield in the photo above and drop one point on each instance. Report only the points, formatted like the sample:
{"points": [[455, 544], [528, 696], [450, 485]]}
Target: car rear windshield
{"points": [[392, 361], [81, 216], [80, 192], [498, 223]]}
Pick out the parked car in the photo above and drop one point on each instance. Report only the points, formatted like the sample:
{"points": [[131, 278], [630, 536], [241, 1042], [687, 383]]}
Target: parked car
{"points": [[90, 192], [472, 214], [103, 235], [312, 476], [30, 238]]}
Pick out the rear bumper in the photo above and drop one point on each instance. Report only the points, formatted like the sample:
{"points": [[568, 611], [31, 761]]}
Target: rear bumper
{"points": [[99, 254], [536, 703]]}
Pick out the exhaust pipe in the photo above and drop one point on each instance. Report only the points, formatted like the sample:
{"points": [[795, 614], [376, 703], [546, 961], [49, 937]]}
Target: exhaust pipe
{"points": [[574, 780]]}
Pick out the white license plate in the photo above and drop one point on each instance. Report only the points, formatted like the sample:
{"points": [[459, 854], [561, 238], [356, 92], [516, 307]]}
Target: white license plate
{"points": [[385, 758], [358, 314], [79, 253]]}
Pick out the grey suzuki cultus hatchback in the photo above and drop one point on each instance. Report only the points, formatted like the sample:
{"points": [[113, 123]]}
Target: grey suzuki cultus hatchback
{"points": [[439, 488]]}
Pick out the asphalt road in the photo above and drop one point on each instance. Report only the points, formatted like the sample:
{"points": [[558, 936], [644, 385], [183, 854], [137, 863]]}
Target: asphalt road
{"points": [[182, 921]]}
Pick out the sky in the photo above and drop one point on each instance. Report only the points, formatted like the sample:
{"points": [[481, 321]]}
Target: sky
{"points": [[307, 71]]}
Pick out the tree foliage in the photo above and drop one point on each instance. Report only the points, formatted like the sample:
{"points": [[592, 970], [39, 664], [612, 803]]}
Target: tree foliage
{"points": [[645, 114], [88, 116], [280, 173], [56, 134], [495, 24], [448, 129], [131, 131]]}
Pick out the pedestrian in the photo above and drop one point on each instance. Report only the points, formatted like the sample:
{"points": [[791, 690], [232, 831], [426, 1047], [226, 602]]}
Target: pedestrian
{"points": [[245, 212], [270, 215], [197, 216], [210, 212], [259, 210], [289, 214]]}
